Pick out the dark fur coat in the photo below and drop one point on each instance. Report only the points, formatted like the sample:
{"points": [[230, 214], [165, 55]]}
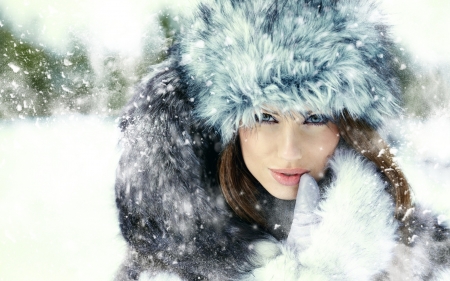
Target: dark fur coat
{"points": [[175, 220], [171, 210], [321, 55]]}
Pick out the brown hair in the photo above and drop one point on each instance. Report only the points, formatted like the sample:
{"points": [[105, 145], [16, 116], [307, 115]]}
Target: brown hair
{"points": [[238, 184], [369, 143]]}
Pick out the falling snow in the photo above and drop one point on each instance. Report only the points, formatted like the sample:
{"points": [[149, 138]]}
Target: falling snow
{"points": [[57, 170], [67, 62], [14, 67]]}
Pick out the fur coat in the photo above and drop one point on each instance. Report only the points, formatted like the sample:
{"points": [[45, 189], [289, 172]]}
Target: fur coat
{"points": [[178, 226], [231, 59]]}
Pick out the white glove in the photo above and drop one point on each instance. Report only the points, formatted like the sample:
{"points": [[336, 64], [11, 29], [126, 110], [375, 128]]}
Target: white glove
{"points": [[304, 218]]}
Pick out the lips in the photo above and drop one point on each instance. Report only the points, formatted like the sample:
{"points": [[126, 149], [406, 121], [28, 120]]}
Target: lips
{"points": [[288, 177]]}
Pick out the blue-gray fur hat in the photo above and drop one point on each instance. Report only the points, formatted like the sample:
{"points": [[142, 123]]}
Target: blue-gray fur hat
{"points": [[243, 56]]}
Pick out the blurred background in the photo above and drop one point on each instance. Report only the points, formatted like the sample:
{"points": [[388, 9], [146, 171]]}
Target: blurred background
{"points": [[66, 70]]}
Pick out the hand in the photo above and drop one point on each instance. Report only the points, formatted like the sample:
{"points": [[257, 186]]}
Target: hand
{"points": [[304, 217]]}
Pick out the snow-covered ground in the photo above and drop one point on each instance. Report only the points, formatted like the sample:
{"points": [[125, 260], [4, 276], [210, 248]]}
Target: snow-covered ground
{"points": [[58, 219]]}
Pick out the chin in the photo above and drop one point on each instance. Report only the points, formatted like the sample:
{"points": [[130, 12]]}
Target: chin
{"points": [[290, 194]]}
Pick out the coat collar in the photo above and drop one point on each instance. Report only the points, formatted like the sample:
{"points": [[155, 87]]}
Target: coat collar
{"points": [[357, 235]]}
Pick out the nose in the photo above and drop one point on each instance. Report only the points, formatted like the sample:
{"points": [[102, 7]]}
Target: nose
{"points": [[289, 141]]}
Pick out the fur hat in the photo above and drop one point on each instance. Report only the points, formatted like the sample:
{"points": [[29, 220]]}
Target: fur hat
{"points": [[239, 57]]}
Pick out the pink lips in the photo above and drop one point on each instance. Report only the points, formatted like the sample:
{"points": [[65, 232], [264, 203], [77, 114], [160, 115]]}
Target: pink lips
{"points": [[288, 177]]}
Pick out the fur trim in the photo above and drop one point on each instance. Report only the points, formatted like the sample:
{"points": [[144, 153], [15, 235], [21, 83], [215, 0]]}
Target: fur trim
{"points": [[151, 276], [356, 237], [282, 266], [357, 219], [175, 220], [240, 57], [171, 210], [443, 275]]}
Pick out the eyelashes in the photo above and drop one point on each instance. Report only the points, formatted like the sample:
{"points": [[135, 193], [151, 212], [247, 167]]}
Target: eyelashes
{"points": [[316, 119], [313, 119], [266, 118]]}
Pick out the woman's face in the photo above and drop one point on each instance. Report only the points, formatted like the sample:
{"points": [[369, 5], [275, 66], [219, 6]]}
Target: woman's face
{"points": [[280, 149]]}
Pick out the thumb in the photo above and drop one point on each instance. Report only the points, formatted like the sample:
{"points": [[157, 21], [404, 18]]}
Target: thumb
{"points": [[307, 200], [307, 195]]}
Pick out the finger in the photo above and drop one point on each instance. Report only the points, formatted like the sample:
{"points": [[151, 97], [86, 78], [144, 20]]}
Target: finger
{"points": [[307, 195], [307, 200]]}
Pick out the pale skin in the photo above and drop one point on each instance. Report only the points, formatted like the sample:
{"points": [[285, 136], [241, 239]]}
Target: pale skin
{"points": [[290, 146]]}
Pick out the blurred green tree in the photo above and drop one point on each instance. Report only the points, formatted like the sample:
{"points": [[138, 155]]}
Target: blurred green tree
{"points": [[26, 70], [38, 82], [76, 80], [424, 90], [117, 84], [155, 50]]}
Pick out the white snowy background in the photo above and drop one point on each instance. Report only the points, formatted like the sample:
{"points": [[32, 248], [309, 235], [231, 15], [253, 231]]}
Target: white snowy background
{"points": [[57, 211]]}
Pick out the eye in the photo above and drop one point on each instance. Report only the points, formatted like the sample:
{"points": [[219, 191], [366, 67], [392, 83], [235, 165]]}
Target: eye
{"points": [[266, 118], [316, 119]]}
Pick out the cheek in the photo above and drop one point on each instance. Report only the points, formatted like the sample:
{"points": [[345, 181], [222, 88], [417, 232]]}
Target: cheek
{"points": [[247, 141], [326, 144], [329, 144], [249, 147], [256, 144], [257, 151]]}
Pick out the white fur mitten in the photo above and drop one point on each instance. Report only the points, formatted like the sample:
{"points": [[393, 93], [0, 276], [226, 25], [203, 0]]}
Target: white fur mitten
{"points": [[304, 217]]}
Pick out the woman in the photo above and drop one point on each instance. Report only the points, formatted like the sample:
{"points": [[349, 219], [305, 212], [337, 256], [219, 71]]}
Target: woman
{"points": [[286, 96]]}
